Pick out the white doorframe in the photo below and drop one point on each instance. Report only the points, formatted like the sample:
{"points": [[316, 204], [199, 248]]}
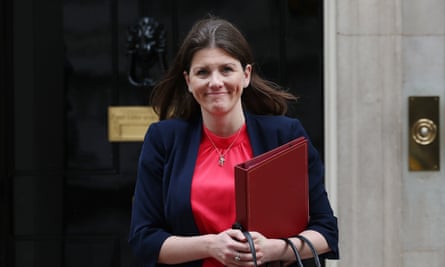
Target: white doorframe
{"points": [[330, 103]]}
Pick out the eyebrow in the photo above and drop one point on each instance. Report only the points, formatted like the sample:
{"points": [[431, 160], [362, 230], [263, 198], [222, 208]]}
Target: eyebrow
{"points": [[232, 64]]}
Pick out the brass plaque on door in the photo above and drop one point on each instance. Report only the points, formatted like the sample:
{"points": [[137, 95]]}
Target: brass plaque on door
{"points": [[129, 123], [424, 141]]}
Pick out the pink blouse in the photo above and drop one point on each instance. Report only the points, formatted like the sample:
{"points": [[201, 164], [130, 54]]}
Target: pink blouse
{"points": [[213, 190]]}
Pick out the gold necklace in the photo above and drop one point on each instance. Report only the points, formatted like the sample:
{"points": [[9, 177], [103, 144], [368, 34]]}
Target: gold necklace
{"points": [[222, 155]]}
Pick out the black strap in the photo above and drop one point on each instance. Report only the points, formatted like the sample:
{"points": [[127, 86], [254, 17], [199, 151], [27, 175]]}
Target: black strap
{"points": [[295, 250], [249, 240], [311, 246], [290, 243], [251, 245]]}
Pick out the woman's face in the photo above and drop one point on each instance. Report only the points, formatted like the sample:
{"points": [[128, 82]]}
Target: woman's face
{"points": [[216, 81]]}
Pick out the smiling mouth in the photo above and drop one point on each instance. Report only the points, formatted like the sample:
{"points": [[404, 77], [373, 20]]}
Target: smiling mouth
{"points": [[217, 93]]}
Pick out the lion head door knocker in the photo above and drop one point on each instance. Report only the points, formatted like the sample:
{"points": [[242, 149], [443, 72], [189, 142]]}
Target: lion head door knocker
{"points": [[146, 50]]}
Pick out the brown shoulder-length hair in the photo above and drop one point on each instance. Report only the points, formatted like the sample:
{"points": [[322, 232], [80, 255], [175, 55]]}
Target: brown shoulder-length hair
{"points": [[171, 98]]}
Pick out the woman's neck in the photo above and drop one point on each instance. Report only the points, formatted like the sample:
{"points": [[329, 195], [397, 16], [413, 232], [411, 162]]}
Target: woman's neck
{"points": [[224, 125]]}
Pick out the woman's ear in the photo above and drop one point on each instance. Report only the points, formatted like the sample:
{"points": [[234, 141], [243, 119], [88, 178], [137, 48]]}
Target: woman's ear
{"points": [[187, 80], [247, 75]]}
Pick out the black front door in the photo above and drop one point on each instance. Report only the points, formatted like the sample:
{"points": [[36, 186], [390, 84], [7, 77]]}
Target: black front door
{"points": [[70, 188]]}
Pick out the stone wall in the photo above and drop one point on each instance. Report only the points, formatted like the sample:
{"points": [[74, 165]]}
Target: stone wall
{"points": [[379, 52]]}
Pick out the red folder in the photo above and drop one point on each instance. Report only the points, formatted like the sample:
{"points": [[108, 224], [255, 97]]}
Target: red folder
{"points": [[271, 190]]}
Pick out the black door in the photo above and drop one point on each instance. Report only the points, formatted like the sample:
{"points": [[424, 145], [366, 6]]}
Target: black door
{"points": [[67, 188]]}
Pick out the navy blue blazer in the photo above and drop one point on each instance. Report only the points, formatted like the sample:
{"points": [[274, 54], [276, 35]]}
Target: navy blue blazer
{"points": [[162, 207]]}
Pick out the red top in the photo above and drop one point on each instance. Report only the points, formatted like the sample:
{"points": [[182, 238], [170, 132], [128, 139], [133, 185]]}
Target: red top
{"points": [[213, 190]]}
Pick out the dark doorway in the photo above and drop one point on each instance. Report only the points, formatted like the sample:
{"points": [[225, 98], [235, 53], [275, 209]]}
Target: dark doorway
{"points": [[67, 195]]}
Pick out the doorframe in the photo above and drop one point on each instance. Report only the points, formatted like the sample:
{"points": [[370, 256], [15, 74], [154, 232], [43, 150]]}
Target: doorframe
{"points": [[330, 103], [6, 136]]}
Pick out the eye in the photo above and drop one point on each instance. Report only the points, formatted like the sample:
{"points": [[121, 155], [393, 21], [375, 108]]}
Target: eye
{"points": [[201, 72], [227, 69]]}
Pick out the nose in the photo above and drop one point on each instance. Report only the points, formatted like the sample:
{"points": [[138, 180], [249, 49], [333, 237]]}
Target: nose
{"points": [[215, 80]]}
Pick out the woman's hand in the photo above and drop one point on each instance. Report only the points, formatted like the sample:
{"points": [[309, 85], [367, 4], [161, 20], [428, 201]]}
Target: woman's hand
{"points": [[231, 249], [270, 249]]}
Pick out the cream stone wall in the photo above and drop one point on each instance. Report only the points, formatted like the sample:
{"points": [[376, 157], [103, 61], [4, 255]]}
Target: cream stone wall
{"points": [[424, 74], [377, 54]]}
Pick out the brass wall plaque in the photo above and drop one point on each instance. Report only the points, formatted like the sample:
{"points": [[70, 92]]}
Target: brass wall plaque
{"points": [[424, 141], [129, 123]]}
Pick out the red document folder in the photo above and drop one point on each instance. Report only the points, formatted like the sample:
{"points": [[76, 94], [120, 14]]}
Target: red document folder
{"points": [[271, 190]]}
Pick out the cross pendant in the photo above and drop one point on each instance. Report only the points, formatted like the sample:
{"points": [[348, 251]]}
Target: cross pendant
{"points": [[221, 160]]}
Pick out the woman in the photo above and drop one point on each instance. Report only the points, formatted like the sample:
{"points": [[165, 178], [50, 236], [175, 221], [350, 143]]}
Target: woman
{"points": [[215, 111]]}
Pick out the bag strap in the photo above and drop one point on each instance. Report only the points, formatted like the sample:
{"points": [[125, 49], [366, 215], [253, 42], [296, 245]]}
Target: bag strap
{"points": [[249, 240], [290, 243], [295, 250], [311, 246]]}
